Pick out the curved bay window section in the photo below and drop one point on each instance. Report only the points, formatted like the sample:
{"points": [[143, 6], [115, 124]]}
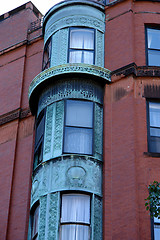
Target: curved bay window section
{"points": [[75, 217], [77, 32], [47, 54], [82, 45], [74, 118]]}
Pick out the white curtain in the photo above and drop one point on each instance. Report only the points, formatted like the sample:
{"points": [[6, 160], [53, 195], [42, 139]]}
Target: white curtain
{"points": [[79, 127], [74, 232], [81, 57], [79, 113], [75, 209], [78, 140], [82, 40]]}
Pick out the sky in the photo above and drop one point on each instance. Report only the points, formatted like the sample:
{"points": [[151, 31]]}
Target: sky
{"points": [[42, 5]]}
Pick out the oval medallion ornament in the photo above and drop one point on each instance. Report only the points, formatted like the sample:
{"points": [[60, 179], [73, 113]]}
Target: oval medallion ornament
{"points": [[76, 173]]}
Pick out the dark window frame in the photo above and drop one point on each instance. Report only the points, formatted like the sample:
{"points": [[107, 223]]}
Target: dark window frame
{"points": [[76, 223], [152, 228], [93, 113], [79, 49], [47, 50], [149, 137], [146, 40], [38, 150]]}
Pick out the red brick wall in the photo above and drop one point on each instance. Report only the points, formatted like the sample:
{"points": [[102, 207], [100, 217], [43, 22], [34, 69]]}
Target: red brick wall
{"points": [[128, 170], [125, 32], [20, 62]]}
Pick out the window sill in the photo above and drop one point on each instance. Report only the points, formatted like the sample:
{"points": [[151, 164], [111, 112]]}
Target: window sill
{"points": [[152, 154]]}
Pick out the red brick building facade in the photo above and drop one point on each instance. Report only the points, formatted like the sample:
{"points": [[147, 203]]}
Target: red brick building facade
{"points": [[131, 162], [21, 53]]}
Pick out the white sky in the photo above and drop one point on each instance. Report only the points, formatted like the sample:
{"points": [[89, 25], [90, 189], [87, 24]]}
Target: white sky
{"points": [[42, 5]]}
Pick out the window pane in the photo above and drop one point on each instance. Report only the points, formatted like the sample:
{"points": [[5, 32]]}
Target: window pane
{"points": [[82, 38], [155, 132], [156, 220], [75, 208], [156, 232], [39, 130], [79, 113], [153, 38], [78, 140], [35, 222], [47, 55], [154, 113], [88, 57], [76, 56], [74, 232], [153, 58], [154, 144]]}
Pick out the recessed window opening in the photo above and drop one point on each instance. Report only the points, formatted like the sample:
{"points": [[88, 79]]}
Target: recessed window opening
{"points": [[81, 45], [75, 217], [78, 130], [153, 46], [39, 139], [156, 229], [154, 127], [47, 55], [35, 223]]}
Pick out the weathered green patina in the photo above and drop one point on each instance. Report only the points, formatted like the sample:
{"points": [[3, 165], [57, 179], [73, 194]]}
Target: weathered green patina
{"points": [[76, 69], [59, 172]]}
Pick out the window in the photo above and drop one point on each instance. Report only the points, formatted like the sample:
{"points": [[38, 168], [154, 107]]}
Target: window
{"points": [[156, 229], [40, 125], [75, 217], [35, 222], [153, 46], [154, 127], [81, 46], [47, 55], [78, 130]]}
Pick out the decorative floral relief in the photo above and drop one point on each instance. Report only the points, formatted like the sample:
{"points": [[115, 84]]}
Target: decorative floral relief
{"points": [[97, 218], [76, 20]]}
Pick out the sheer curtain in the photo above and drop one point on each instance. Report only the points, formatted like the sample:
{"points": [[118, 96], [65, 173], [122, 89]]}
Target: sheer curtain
{"points": [[78, 127], [75, 210], [78, 140], [82, 39], [79, 113], [81, 46]]}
